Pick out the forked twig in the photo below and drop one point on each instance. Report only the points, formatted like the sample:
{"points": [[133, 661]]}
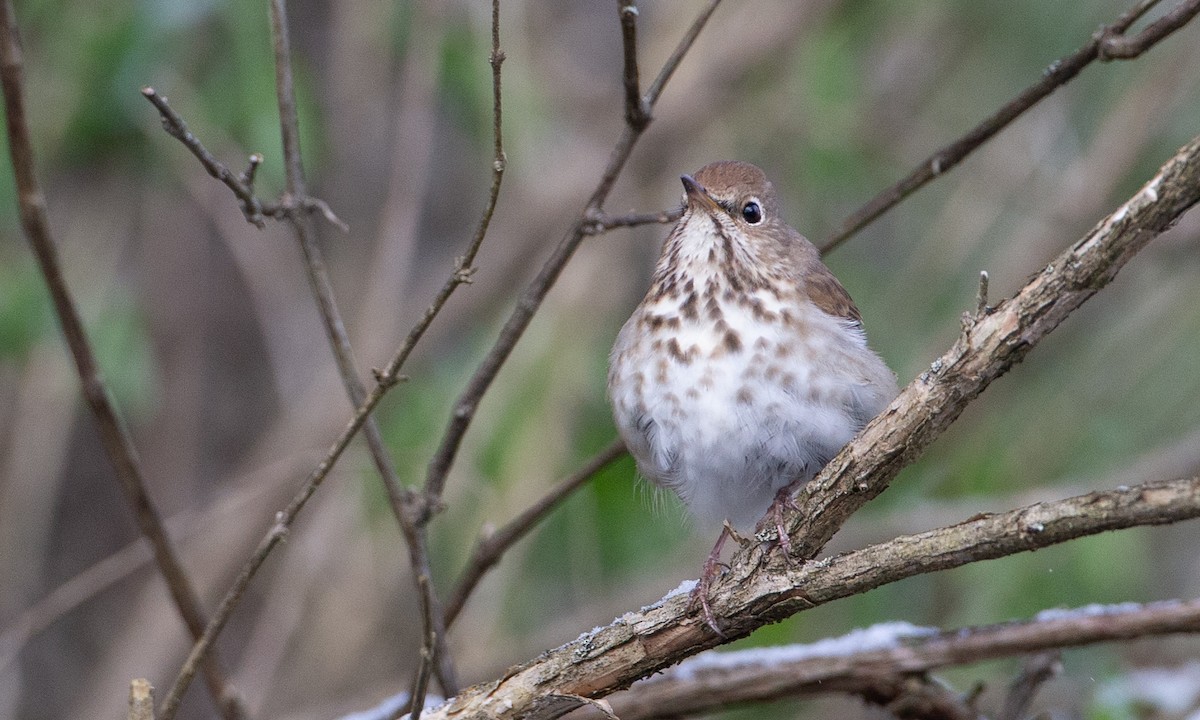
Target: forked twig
{"points": [[416, 509], [242, 184], [1117, 46]]}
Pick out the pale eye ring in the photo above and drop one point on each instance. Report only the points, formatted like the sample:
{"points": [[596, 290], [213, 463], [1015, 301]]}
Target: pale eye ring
{"points": [[752, 211]]}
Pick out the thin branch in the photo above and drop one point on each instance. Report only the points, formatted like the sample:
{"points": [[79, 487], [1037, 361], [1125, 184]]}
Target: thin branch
{"points": [[242, 184], [1109, 43], [1035, 672], [640, 644], [339, 341], [118, 444], [531, 299], [433, 646], [762, 587], [637, 112], [1056, 75], [200, 650], [601, 222], [1114, 46], [712, 680], [491, 547]]}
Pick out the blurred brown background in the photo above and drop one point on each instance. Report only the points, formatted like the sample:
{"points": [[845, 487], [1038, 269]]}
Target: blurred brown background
{"points": [[212, 344]]}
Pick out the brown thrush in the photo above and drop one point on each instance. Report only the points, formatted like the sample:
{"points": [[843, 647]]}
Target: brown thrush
{"points": [[745, 369]]}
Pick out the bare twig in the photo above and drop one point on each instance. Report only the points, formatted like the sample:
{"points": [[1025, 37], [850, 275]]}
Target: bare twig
{"points": [[1035, 671], [1056, 75], [639, 644], [277, 533], [1115, 46], [1109, 43], [242, 184], [491, 547], [637, 110], [531, 299], [433, 646], [113, 434], [601, 222], [339, 341], [715, 679]]}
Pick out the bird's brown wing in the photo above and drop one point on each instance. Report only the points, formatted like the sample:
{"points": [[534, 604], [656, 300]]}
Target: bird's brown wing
{"points": [[827, 293]]}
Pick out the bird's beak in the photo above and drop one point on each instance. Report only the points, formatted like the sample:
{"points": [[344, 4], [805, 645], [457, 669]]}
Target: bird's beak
{"points": [[697, 195]]}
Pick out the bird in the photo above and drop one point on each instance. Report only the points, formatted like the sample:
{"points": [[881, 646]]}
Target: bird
{"points": [[745, 368]]}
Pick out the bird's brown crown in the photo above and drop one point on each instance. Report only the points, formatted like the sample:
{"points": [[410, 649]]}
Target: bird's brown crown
{"points": [[734, 182]]}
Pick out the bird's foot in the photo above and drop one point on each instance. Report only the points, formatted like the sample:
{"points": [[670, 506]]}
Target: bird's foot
{"points": [[709, 573], [771, 528]]}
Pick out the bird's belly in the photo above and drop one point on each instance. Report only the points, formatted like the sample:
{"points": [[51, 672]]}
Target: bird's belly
{"points": [[727, 430]]}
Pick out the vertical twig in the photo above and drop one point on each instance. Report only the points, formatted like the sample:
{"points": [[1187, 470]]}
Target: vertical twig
{"points": [[339, 341], [434, 644], [637, 112], [117, 442]]}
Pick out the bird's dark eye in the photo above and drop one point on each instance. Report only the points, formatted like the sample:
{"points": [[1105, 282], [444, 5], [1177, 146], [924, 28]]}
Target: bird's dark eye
{"points": [[752, 212]]}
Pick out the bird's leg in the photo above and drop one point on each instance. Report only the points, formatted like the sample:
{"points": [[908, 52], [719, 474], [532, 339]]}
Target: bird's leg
{"points": [[707, 575], [784, 499]]}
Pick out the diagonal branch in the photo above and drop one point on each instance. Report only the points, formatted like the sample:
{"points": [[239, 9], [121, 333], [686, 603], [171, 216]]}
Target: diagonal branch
{"points": [[1110, 43], [762, 588], [1059, 73], [988, 347], [1116, 46], [113, 434], [242, 184], [491, 547]]}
